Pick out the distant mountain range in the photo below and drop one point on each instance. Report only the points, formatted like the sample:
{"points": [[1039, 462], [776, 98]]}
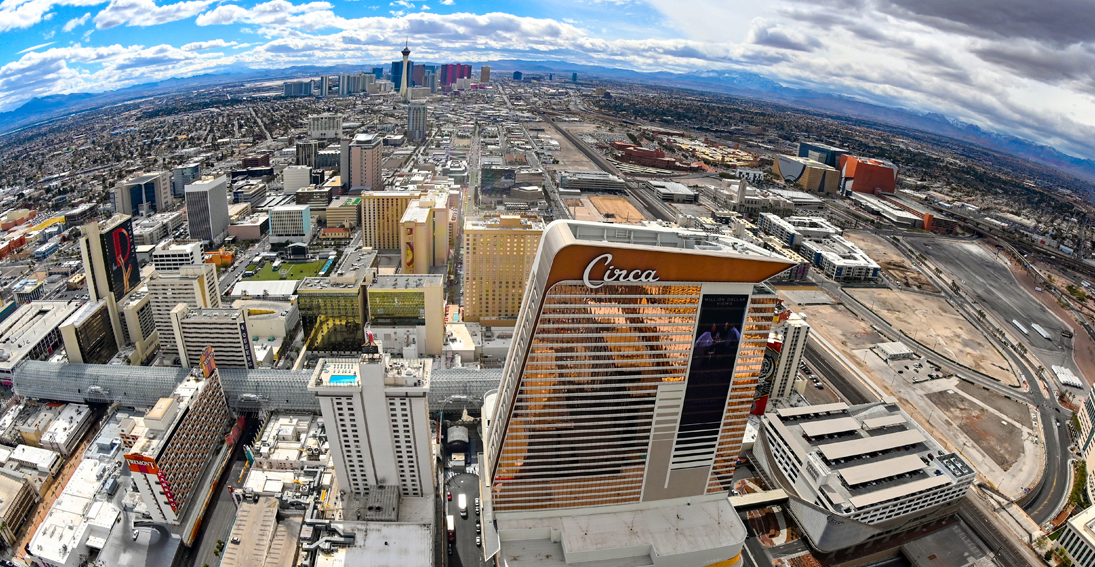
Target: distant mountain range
{"points": [[741, 83]]}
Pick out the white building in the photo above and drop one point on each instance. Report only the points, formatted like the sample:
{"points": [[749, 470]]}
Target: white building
{"points": [[1078, 539], [174, 255], [324, 126], [296, 177], [65, 433], [377, 417], [839, 259], [196, 286], [207, 209], [79, 521], [793, 230], [223, 329], [794, 333], [857, 474], [291, 223]]}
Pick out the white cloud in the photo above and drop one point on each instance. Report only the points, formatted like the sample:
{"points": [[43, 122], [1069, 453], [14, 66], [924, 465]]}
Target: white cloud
{"points": [[448, 2], [146, 12], [22, 14], [36, 47], [76, 22], [203, 45]]}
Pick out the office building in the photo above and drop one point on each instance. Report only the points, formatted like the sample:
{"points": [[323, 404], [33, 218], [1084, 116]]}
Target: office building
{"points": [[223, 329], [142, 195], [381, 212], [824, 153], [307, 153], [170, 447], [377, 418], [498, 255], [425, 234], [809, 175], [857, 474], [416, 121], [517, 76], [867, 175], [171, 256], [316, 197], [1078, 538], [840, 259], [183, 175], [365, 163], [791, 335], [196, 286], [291, 223], [207, 209], [344, 212], [484, 74], [296, 177], [407, 313], [89, 334], [298, 88], [324, 127], [636, 324], [28, 290]]}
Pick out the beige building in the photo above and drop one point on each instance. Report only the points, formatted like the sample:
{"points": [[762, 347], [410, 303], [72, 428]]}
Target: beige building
{"points": [[365, 163], [381, 213], [498, 256], [407, 313], [196, 286], [425, 234], [344, 211]]}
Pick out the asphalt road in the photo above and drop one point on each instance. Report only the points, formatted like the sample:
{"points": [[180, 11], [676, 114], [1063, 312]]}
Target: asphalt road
{"points": [[229, 278], [221, 513], [464, 551], [830, 371]]}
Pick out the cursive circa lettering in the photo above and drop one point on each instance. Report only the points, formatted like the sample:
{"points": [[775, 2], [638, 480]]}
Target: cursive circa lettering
{"points": [[616, 275]]}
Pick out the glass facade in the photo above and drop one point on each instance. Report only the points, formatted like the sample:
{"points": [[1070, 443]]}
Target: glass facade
{"points": [[580, 425], [95, 336], [397, 307], [332, 319]]}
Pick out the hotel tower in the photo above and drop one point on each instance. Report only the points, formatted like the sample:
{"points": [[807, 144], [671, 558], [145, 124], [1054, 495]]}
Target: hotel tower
{"points": [[625, 396]]}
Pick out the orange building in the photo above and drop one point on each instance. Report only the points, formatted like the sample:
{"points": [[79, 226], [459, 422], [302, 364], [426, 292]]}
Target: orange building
{"points": [[220, 258], [867, 175]]}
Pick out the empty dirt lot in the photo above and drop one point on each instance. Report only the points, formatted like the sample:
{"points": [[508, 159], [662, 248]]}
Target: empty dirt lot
{"points": [[617, 209], [935, 324], [1018, 411], [839, 325], [1000, 440], [893, 263]]}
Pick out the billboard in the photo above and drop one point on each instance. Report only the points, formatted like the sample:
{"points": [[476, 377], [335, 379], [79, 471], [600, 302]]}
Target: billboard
{"points": [[408, 252], [767, 377], [120, 254], [206, 362], [711, 370]]}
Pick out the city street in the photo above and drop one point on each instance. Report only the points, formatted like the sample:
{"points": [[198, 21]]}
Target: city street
{"points": [[221, 513], [464, 551]]}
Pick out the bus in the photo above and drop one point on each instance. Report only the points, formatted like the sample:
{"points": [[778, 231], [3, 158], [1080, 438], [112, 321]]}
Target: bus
{"points": [[463, 501], [451, 526]]}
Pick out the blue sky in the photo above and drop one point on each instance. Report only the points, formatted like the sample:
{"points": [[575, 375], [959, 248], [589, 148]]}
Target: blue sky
{"points": [[1012, 66]]}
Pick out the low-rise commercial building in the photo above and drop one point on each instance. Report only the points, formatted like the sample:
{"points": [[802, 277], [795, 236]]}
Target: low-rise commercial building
{"points": [[595, 181], [840, 260], [33, 332]]}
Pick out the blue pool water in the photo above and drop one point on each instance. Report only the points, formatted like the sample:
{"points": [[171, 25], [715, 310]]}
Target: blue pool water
{"points": [[342, 378]]}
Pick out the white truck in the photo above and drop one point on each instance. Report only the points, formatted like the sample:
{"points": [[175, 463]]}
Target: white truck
{"points": [[462, 500]]}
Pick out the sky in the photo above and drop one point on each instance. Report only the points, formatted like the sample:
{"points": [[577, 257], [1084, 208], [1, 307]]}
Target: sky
{"points": [[1012, 66]]}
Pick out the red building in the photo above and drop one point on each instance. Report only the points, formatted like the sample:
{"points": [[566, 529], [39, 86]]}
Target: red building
{"points": [[867, 175]]}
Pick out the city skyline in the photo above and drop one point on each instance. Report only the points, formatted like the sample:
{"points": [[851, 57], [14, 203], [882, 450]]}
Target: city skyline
{"points": [[1024, 73]]}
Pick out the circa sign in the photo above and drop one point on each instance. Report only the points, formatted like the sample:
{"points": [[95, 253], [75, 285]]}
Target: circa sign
{"points": [[616, 275]]}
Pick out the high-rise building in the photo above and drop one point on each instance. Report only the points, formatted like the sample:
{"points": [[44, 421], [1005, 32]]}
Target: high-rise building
{"points": [[859, 474], [626, 392], [404, 80], [324, 86], [407, 313], [291, 223], [484, 74], [498, 255], [794, 333], [143, 195], [574, 77], [298, 88], [182, 175], [307, 153], [110, 265], [365, 163], [89, 334], [378, 72], [517, 75], [170, 447], [418, 75], [381, 213], [207, 209], [196, 286], [174, 255], [223, 329], [378, 423], [324, 127], [397, 75], [416, 121], [295, 177], [425, 234]]}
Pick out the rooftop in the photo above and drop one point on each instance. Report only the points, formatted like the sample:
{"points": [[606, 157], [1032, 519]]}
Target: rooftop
{"points": [[416, 281], [31, 323], [663, 237]]}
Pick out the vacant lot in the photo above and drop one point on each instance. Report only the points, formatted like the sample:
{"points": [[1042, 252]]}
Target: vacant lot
{"points": [[840, 326], [1000, 440], [1018, 411], [292, 271], [580, 210], [617, 209], [934, 323], [893, 263]]}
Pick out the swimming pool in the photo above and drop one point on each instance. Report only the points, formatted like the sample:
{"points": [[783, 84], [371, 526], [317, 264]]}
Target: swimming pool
{"points": [[341, 379]]}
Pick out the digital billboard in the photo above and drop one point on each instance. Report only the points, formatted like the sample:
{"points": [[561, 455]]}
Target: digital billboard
{"points": [[767, 377], [120, 254], [711, 371]]}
